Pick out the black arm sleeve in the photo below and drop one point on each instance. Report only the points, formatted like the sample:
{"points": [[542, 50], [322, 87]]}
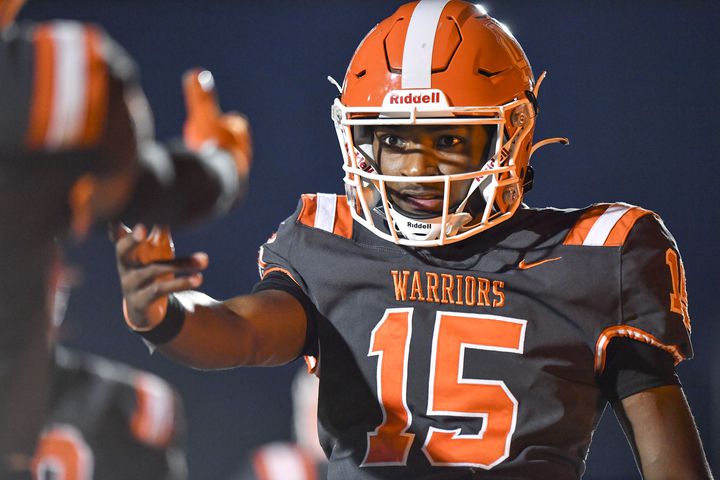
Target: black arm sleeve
{"points": [[280, 281], [632, 367], [176, 186]]}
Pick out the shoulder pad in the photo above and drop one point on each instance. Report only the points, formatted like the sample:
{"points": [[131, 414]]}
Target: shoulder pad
{"points": [[605, 225], [326, 211]]}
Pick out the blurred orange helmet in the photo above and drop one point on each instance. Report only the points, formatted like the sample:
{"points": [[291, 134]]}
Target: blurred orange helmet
{"points": [[8, 11], [438, 62]]}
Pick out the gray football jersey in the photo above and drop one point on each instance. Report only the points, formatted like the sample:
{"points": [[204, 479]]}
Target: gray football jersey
{"points": [[478, 359]]}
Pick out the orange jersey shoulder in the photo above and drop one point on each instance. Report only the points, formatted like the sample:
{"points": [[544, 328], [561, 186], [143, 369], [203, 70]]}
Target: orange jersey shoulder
{"points": [[605, 224], [326, 211]]}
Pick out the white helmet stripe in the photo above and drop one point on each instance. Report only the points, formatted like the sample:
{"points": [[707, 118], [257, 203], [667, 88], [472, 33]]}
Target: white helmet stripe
{"points": [[419, 42]]}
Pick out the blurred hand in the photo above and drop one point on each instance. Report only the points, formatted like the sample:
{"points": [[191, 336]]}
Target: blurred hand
{"points": [[207, 124], [148, 272]]}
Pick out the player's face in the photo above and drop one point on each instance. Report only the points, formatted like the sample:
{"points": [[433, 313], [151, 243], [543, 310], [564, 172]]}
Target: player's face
{"points": [[413, 150]]}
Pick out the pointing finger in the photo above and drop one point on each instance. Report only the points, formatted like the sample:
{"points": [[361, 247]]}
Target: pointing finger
{"points": [[200, 97]]}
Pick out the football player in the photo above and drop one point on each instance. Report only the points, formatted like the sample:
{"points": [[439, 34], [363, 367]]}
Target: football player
{"points": [[105, 420], [77, 147], [457, 332]]}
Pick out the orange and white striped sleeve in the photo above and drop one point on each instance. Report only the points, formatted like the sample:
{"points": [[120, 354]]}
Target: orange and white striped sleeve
{"points": [[68, 87], [69, 98]]}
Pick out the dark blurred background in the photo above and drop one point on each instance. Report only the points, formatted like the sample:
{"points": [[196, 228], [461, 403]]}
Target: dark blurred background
{"points": [[633, 84]]}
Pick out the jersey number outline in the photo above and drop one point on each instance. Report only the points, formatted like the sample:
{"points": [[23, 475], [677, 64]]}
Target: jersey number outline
{"points": [[450, 394], [678, 296]]}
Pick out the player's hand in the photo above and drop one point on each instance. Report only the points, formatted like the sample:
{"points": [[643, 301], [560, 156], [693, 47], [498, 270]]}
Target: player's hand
{"points": [[207, 124], [149, 272]]}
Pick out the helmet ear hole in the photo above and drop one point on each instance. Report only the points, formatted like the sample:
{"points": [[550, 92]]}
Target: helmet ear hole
{"points": [[519, 116]]}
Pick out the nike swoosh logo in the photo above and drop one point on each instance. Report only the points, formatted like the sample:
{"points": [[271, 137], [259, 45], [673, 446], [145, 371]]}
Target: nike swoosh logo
{"points": [[525, 266]]}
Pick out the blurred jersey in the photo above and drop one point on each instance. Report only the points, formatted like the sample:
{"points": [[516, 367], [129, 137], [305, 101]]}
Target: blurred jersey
{"points": [[108, 421]]}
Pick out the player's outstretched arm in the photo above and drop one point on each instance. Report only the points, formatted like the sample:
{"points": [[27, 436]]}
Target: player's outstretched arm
{"points": [[262, 329], [665, 437]]}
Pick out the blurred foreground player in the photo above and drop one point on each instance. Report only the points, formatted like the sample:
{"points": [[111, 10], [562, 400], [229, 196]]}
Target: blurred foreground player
{"points": [[459, 333], [105, 420], [108, 421], [76, 147], [303, 459]]}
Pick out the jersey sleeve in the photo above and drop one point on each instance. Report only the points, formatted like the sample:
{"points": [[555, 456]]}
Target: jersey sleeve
{"points": [[277, 272], [632, 367], [176, 186], [65, 85], [653, 293], [275, 255]]}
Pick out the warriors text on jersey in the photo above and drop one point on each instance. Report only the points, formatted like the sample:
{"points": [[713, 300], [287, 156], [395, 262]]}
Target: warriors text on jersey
{"points": [[480, 359]]}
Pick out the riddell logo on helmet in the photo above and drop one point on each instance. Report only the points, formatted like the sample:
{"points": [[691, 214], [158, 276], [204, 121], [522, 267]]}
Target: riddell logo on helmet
{"points": [[396, 99], [423, 226], [419, 98]]}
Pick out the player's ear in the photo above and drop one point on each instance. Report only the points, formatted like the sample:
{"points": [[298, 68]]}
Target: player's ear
{"points": [[81, 199]]}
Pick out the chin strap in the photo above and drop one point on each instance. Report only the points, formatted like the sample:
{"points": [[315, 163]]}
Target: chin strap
{"points": [[427, 228]]}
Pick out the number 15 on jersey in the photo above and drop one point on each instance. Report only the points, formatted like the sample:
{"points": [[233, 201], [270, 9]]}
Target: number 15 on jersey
{"points": [[450, 394]]}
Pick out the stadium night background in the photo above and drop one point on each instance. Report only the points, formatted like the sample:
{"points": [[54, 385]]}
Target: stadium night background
{"points": [[634, 85]]}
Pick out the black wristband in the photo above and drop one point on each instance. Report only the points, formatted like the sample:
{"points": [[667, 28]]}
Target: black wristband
{"points": [[170, 326]]}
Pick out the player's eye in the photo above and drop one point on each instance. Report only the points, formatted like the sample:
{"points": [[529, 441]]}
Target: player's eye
{"points": [[392, 141], [447, 141]]}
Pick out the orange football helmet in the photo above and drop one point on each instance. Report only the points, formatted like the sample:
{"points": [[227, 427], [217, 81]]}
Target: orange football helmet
{"points": [[438, 62]]}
